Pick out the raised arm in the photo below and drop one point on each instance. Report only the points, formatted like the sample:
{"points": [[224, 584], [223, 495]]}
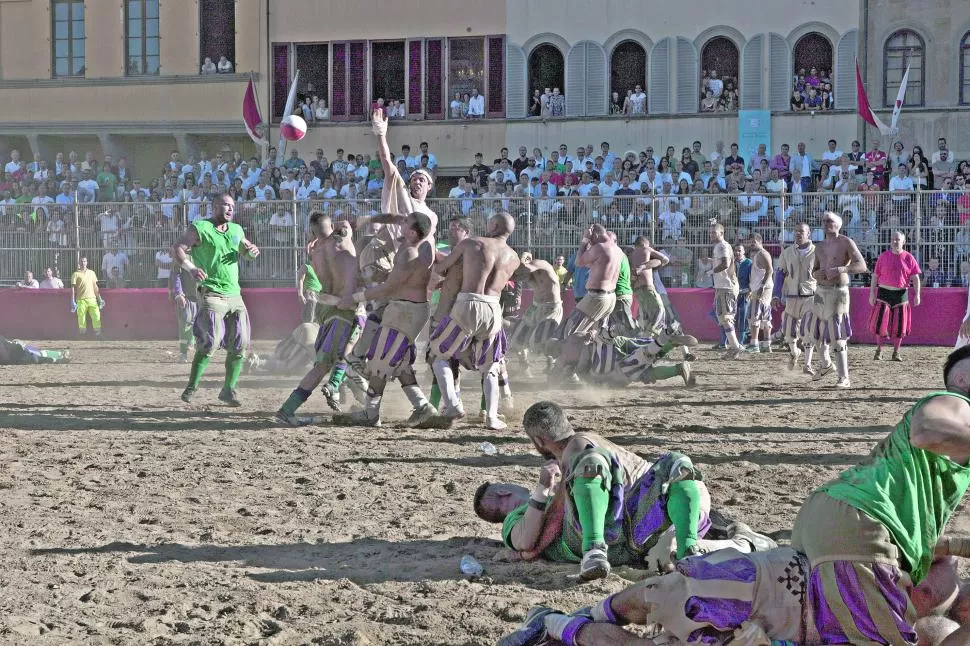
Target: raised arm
{"points": [[379, 127], [590, 255]]}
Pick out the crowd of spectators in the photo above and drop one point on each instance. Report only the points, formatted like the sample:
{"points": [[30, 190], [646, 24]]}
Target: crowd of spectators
{"points": [[718, 94], [812, 91], [672, 196]]}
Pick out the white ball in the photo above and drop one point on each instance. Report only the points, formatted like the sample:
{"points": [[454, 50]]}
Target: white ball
{"points": [[293, 128]]}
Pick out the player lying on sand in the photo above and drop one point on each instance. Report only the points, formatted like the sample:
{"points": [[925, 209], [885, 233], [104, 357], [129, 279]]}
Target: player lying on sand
{"points": [[861, 543], [18, 353]]}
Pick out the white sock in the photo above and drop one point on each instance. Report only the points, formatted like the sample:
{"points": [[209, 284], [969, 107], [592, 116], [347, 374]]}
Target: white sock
{"points": [[842, 363], [556, 625], [373, 406], [732, 339], [809, 352], [826, 355], [491, 395], [739, 544], [446, 383], [414, 395]]}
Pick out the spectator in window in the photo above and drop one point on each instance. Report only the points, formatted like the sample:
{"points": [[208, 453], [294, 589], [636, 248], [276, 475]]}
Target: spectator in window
{"points": [[321, 112], [708, 103], [29, 282], [638, 102], [797, 102], [208, 67], [455, 107], [546, 101], [51, 281], [557, 104], [715, 85], [616, 105], [476, 105], [535, 104], [814, 100], [225, 66]]}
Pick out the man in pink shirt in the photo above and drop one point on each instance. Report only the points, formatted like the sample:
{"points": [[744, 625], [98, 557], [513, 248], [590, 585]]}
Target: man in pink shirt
{"points": [[889, 295], [781, 162], [876, 160]]}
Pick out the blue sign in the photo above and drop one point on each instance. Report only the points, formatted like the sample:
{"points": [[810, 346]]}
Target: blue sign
{"points": [[754, 128]]}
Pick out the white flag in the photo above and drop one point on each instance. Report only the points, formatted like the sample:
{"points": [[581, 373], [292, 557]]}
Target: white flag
{"points": [[287, 111], [899, 102]]}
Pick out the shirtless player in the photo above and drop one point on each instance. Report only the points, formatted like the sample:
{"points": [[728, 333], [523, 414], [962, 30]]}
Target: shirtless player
{"points": [[759, 300], [448, 288], [391, 352], [473, 330], [544, 315], [836, 258], [603, 258], [644, 260], [334, 260]]}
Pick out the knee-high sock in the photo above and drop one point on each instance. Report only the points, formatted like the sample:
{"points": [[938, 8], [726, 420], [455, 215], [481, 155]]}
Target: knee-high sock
{"points": [[435, 397], [826, 354], [446, 382], [490, 394], [842, 362], [234, 366], [592, 500], [199, 363], [658, 373], [809, 352], [684, 509], [296, 399], [337, 375]]}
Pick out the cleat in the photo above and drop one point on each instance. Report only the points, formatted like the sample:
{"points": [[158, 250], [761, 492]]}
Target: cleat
{"points": [[753, 349], [286, 419], [896, 357], [878, 355], [689, 379], [187, 394], [332, 397], [823, 370], [532, 632], [809, 370], [496, 424], [758, 542], [721, 525], [421, 415], [793, 360], [690, 356], [228, 395], [843, 382], [360, 418], [595, 564]]}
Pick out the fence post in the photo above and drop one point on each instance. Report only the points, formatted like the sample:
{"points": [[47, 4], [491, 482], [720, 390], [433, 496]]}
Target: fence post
{"points": [[528, 223], [77, 231], [297, 216], [918, 219]]}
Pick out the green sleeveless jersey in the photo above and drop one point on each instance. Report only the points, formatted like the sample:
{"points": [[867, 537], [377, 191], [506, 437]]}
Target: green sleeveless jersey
{"points": [[623, 280], [311, 283], [217, 254], [911, 491]]}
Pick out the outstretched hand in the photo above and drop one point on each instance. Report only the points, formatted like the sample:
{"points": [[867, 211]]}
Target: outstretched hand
{"points": [[378, 122]]}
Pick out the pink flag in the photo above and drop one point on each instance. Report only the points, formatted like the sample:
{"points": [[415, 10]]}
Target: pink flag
{"points": [[251, 116], [865, 110]]}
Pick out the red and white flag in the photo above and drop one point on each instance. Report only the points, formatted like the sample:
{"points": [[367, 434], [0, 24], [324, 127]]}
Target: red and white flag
{"points": [[868, 114], [251, 116]]}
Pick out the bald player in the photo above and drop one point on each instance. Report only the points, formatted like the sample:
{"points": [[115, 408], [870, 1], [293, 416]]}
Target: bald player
{"points": [[796, 286], [391, 352], [836, 259], [334, 260], [544, 315], [473, 331], [603, 258]]}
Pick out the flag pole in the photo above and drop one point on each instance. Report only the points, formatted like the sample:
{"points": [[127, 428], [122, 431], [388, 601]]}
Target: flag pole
{"points": [[264, 147]]}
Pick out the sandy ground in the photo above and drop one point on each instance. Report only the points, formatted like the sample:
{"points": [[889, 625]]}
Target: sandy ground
{"points": [[128, 517]]}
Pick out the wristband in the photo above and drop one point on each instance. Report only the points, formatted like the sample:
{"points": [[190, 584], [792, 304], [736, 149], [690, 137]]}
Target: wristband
{"points": [[359, 297], [535, 504], [188, 265]]}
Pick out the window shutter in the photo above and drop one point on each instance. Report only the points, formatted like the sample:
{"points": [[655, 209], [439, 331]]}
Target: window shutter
{"points": [[845, 57], [779, 73], [496, 78], [357, 103], [595, 79], [688, 81], [516, 93], [434, 107], [281, 79], [338, 81], [576, 80], [658, 100], [415, 79], [752, 61]]}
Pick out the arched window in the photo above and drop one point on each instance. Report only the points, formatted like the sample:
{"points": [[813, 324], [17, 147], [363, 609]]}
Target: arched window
{"points": [[813, 50], [903, 49], [628, 68], [965, 69], [720, 60], [546, 68]]}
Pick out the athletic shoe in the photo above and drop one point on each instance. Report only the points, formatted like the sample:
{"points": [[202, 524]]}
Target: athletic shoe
{"points": [[187, 394], [843, 382], [753, 349], [793, 360], [228, 395], [421, 414], [878, 355], [721, 525], [359, 418], [823, 370], [758, 542], [287, 419], [690, 356], [532, 632], [734, 355], [574, 379], [810, 371], [766, 346], [332, 397], [689, 379], [595, 565], [896, 357], [496, 424]]}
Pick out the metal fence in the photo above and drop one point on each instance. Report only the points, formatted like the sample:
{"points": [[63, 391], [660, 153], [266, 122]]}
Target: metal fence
{"points": [[136, 237]]}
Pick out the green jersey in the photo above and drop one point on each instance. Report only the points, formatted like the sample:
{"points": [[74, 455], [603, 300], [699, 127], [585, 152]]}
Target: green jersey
{"points": [[310, 281], [911, 491], [108, 184], [623, 280], [217, 254], [558, 552]]}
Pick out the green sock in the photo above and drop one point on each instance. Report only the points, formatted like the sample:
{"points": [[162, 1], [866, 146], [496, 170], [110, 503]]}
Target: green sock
{"points": [[665, 348], [199, 362], [664, 372], [234, 366], [295, 400], [337, 376], [684, 509], [591, 501], [435, 397]]}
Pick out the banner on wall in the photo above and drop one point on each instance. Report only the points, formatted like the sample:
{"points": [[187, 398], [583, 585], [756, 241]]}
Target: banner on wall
{"points": [[754, 128]]}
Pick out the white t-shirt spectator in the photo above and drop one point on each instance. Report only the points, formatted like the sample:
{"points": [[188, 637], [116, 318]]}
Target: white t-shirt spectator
{"points": [[163, 261], [87, 190], [283, 221], [673, 223], [832, 155], [265, 193], [40, 203], [897, 183], [168, 206], [476, 108], [194, 208], [724, 279], [113, 259], [52, 283], [13, 167], [31, 284]]}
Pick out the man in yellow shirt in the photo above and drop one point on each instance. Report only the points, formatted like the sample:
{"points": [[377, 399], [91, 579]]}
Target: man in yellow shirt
{"points": [[86, 299]]}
